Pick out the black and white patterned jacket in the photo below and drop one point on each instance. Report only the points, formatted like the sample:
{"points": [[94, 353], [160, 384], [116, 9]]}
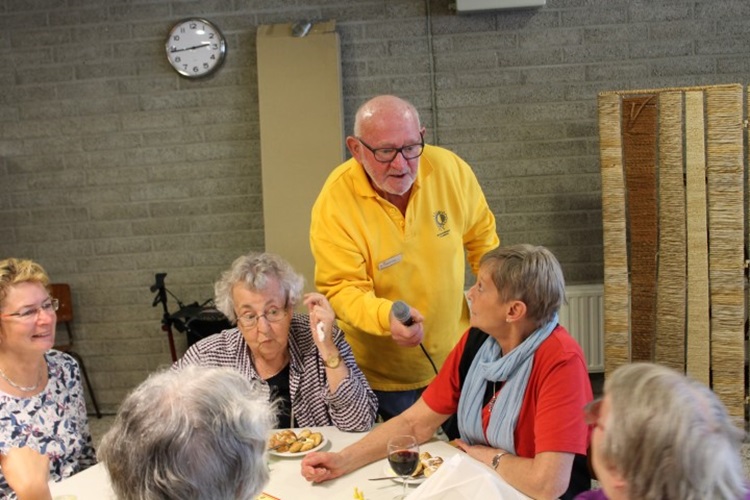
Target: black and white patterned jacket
{"points": [[351, 408]]}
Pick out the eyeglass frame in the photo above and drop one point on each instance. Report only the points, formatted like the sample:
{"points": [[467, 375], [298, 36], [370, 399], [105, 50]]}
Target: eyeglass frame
{"points": [[54, 305], [591, 413], [242, 318], [396, 151]]}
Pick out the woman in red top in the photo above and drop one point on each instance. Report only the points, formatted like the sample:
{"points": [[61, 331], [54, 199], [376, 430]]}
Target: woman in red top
{"points": [[517, 382]]}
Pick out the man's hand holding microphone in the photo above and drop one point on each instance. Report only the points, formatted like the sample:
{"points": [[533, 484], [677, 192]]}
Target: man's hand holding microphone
{"points": [[406, 325]]}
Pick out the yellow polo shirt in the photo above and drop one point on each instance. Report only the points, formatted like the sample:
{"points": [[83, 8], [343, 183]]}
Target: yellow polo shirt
{"points": [[367, 255]]}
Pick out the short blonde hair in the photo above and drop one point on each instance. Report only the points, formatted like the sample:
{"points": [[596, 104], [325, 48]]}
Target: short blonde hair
{"points": [[14, 271]]}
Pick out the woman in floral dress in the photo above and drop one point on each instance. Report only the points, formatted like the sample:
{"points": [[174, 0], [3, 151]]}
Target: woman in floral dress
{"points": [[41, 397]]}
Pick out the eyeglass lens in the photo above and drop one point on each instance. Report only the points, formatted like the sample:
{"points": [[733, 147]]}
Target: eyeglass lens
{"points": [[387, 155], [272, 316], [49, 307]]}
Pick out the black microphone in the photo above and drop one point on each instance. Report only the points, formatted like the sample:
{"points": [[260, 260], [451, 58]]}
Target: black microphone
{"points": [[402, 313]]}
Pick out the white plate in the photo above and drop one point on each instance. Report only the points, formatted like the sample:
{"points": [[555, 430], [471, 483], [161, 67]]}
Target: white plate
{"points": [[286, 454], [412, 480]]}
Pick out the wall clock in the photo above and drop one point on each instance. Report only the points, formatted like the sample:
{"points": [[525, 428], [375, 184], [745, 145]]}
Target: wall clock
{"points": [[195, 47]]}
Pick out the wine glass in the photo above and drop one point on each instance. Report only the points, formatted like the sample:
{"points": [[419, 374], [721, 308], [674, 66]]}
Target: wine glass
{"points": [[403, 457]]}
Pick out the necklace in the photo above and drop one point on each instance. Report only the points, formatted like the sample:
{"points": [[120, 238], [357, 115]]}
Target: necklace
{"points": [[20, 387], [495, 393]]}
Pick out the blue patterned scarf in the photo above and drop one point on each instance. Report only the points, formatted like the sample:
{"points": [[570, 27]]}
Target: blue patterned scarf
{"points": [[491, 365]]}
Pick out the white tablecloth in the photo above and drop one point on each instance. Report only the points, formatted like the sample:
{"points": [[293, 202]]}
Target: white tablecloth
{"points": [[286, 481]]}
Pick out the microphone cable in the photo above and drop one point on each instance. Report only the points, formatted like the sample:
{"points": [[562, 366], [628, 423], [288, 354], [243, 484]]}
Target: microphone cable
{"points": [[401, 312], [429, 358]]}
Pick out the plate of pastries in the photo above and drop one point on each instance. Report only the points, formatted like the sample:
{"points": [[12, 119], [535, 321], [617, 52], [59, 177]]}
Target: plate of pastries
{"points": [[287, 443]]}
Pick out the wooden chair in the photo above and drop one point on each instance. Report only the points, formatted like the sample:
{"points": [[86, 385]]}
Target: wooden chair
{"points": [[61, 291]]}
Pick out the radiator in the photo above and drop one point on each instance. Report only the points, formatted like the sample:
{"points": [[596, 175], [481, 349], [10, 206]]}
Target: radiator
{"points": [[583, 316]]}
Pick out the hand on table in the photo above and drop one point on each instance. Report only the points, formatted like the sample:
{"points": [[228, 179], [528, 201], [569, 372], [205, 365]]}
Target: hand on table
{"points": [[480, 452], [318, 467], [27, 472]]}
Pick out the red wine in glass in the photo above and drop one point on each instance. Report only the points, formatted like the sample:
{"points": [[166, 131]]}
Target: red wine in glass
{"points": [[403, 457], [403, 462]]}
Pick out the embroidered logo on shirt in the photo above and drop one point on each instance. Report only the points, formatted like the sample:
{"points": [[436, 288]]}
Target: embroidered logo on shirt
{"points": [[441, 219]]}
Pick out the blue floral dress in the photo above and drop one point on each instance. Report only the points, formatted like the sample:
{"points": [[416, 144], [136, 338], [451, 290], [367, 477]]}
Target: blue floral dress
{"points": [[53, 422]]}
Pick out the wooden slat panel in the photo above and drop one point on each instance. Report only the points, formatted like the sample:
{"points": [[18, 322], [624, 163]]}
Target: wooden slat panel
{"points": [[669, 347], [639, 125], [616, 288], [698, 324], [726, 242]]}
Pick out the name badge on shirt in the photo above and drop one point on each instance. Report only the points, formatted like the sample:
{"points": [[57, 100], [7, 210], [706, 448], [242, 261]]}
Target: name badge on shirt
{"points": [[390, 261]]}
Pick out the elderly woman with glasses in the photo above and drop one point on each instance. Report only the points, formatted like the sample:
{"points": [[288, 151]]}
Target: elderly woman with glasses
{"points": [[659, 435], [303, 360], [41, 396]]}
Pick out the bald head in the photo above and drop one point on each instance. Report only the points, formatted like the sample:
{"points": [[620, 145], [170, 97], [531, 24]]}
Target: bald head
{"points": [[384, 111]]}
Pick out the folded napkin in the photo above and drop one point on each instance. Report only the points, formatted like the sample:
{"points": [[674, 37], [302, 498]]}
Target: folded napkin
{"points": [[463, 478]]}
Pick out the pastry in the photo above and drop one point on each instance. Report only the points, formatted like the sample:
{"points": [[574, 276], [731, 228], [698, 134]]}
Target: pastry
{"points": [[427, 464], [317, 438]]}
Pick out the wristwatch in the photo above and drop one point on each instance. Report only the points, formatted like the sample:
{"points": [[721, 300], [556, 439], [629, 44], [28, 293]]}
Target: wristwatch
{"points": [[333, 361], [496, 459]]}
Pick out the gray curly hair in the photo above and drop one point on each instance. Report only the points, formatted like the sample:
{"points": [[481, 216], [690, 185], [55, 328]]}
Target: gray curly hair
{"points": [[254, 270], [197, 433], [671, 437]]}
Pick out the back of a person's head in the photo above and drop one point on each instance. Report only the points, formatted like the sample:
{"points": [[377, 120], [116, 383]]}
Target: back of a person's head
{"points": [[670, 437], [197, 433]]}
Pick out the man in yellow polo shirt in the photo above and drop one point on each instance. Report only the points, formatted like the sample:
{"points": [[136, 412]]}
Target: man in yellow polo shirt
{"points": [[395, 222]]}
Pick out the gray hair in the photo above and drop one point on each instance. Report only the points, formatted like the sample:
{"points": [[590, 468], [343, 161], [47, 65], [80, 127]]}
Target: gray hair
{"points": [[670, 437], [254, 271], [197, 433], [530, 274], [370, 109]]}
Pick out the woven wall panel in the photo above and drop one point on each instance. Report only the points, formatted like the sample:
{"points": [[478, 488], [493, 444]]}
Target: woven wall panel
{"points": [[698, 319], [616, 296], [639, 126], [710, 250], [669, 345], [724, 149]]}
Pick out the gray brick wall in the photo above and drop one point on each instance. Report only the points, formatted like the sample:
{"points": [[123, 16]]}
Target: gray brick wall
{"points": [[114, 168]]}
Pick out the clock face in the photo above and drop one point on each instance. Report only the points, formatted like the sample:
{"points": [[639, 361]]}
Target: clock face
{"points": [[195, 48]]}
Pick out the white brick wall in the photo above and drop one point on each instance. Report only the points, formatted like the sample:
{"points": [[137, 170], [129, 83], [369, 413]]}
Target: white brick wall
{"points": [[114, 168]]}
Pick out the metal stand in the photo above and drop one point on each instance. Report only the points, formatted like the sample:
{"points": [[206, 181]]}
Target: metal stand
{"points": [[168, 320]]}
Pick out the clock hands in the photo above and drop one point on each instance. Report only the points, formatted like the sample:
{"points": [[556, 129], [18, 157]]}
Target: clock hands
{"points": [[175, 49]]}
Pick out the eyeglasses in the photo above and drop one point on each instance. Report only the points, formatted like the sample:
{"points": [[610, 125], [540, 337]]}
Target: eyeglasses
{"points": [[387, 155], [591, 413], [272, 315], [32, 313]]}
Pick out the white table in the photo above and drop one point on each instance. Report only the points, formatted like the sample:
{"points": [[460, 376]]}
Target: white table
{"points": [[286, 481]]}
